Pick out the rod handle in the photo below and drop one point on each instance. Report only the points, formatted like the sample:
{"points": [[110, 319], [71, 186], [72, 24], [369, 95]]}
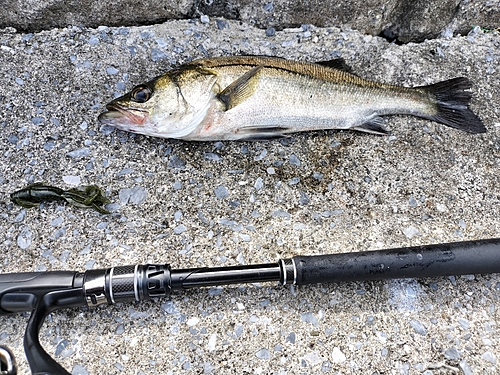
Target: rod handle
{"points": [[20, 291], [458, 258]]}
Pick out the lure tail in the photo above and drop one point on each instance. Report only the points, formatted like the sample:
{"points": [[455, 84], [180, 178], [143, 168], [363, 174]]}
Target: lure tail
{"points": [[452, 100]]}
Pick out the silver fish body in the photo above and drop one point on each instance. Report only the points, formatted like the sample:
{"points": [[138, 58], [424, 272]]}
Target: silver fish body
{"points": [[259, 98]]}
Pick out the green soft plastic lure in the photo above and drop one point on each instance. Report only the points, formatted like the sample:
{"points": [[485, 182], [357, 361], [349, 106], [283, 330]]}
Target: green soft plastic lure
{"points": [[83, 197]]}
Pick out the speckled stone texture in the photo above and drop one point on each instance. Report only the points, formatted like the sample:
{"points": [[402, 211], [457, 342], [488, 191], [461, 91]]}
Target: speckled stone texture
{"points": [[231, 203]]}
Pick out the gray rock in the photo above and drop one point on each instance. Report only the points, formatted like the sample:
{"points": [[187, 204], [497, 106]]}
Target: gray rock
{"points": [[37, 120], [281, 213], [221, 24], [263, 354], [64, 256], [107, 129], [158, 54], [271, 31], [215, 291], [20, 216], [124, 172], [24, 238], [221, 192], [112, 70], [180, 229], [135, 195], [176, 162], [79, 153], [120, 330], [309, 318], [466, 368], [452, 354], [13, 138], [418, 327], [208, 368], [412, 201], [60, 347], [49, 145], [259, 183], [119, 366], [138, 195], [72, 180], [489, 357], [464, 323], [294, 160], [411, 231], [304, 199], [318, 176], [79, 370], [212, 156], [169, 307]]}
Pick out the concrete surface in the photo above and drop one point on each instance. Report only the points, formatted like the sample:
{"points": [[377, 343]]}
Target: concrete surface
{"points": [[404, 20], [195, 204]]}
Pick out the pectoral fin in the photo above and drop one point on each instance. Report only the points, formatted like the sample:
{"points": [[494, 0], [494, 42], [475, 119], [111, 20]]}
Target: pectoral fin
{"points": [[241, 89], [373, 126]]}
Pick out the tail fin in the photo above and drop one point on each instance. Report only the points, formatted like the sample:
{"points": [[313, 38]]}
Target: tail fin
{"points": [[452, 100]]}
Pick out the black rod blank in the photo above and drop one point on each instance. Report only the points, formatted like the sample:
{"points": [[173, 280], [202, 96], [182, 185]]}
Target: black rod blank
{"points": [[458, 258]]}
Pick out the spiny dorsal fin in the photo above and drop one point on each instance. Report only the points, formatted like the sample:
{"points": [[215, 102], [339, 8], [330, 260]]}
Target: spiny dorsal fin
{"points": [[241, 89], [338, 64]]}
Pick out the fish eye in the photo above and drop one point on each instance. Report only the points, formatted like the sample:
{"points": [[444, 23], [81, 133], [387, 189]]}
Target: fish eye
{"points": [[140, 94]]}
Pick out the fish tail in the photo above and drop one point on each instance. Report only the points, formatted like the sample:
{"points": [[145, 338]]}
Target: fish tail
{"points": [[452, 100]]}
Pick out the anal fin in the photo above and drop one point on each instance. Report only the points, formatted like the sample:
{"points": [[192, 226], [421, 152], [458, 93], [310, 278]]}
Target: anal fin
{"points": [[241, 89], [373, 126]]}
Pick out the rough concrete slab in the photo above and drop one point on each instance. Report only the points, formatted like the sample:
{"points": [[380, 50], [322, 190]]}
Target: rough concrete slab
{"points": [[406, 21], [28, 15], [230, 203]]}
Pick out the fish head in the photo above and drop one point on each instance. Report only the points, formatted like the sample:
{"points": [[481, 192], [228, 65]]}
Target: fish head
{"points": [[169, 106]]}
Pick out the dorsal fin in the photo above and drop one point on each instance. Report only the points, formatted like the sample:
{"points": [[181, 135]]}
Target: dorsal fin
{"points": [[338, 64]]}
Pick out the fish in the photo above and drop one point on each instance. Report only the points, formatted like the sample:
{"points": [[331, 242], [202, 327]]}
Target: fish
{"points": [[264, 98]]}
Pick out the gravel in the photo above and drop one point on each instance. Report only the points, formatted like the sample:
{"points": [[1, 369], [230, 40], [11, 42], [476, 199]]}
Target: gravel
{"points": [[231, 203]]}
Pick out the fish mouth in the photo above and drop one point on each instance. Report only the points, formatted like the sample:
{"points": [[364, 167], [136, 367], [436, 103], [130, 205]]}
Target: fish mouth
{"points": [[123, 117]]}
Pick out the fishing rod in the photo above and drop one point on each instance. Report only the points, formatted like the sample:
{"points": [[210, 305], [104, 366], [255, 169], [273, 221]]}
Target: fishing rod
{"points": [[42, 293]]}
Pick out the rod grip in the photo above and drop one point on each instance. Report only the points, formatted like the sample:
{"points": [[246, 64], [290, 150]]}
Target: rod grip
{"points": [[458, 258], [20, 291]]}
